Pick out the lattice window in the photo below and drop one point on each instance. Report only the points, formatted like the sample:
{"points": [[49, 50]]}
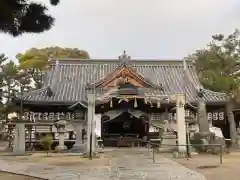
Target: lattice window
{"points": [[155, 116], [175, 116], [187, 113]]}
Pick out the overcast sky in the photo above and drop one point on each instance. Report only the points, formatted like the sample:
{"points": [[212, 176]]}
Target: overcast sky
{"points": [[144, 28]]}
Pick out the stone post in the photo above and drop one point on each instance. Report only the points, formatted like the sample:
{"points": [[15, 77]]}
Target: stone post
{"points": [[90, 123], [78, 146], [60, 125], [19, 139], [202, 114], [181, 126], [94, 137], [204, 133]]}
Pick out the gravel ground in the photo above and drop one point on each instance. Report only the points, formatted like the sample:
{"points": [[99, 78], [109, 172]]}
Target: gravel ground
{"points": [[210, 167], [121, 164], [8, 176]]}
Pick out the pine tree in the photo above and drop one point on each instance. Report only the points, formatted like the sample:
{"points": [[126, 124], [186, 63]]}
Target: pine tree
{"points": [[218, 69], [24, 16]]}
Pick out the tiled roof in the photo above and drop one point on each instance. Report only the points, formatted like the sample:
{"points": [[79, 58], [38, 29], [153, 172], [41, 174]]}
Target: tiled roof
{"points": [[68, 79]]}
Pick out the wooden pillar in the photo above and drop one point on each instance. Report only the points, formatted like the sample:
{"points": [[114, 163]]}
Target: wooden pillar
{"points": [[102, 128]]}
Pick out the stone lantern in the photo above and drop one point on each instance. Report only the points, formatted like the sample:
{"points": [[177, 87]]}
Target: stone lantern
{"points": [[60, 125]]}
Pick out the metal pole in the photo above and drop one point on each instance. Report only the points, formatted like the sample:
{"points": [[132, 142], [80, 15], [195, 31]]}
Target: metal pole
{"points": [[21, 113], [187, 138], [93, 112], [90, 150], [21, 102], [221, 154], [148, 145], [89, 126], [153, 154]]}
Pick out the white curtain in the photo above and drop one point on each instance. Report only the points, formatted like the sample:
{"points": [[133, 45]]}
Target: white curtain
{"points": [[97, 119], [115, 113], [136, 113]]}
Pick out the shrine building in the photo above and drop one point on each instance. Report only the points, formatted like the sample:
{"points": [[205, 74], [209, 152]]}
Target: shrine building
{"points": [[131, 96]]}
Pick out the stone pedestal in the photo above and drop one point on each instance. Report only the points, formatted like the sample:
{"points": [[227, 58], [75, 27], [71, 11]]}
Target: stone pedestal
{"points": [[78, 146], [169, 139], [60, 125], [61, 146], [181, 125], [19, 139]]}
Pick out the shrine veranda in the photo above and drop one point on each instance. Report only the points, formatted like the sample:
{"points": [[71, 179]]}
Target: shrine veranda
{"points": [[132, 97]]}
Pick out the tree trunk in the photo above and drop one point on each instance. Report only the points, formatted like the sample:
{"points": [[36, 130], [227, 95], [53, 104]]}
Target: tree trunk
{"points": [[231, 121]]}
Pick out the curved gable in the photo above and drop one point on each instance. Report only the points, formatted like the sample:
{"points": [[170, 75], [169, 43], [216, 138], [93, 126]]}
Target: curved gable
{"points": [[126, 74]]}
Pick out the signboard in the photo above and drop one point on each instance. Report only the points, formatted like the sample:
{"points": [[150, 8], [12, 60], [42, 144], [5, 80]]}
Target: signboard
{"points": [[51, 116], [216, 116]]}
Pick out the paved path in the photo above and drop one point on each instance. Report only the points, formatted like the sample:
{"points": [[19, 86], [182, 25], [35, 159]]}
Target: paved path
{"points": [[124, 165]]}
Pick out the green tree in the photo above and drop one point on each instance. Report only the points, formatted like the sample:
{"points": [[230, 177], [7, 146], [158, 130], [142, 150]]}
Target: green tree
{"points": [[35, 61], [47, 142], [11, 77], [217, 67], [24, 16], [3, 58]]}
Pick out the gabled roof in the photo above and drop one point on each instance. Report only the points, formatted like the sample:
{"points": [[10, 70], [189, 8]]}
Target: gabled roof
{"points": [[124, 68], [68, 79]]}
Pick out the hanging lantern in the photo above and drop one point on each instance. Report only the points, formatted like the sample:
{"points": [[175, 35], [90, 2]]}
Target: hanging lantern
{"points": [[111, 103], [145, 100], [135, 103], [151, 104], [158, 104]]}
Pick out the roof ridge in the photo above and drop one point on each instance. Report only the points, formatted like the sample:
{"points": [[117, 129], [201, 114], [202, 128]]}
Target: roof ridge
{"points": [[93, 61], [35, 91], [214, 91], [117, 59]]}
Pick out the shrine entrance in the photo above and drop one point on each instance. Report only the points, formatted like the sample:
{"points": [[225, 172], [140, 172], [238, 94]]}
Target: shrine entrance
{"points": [[123, 129]]}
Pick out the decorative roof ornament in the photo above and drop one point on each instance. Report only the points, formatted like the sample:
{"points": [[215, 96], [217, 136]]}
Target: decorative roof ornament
{"points": [[77, 105], [135, 103], [180, 104], [49, 92], [145, 100], [200, 93], [124, 57], [111, 103]]}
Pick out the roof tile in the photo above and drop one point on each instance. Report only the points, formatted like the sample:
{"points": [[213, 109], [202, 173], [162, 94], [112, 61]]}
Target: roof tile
{"points": [[69, 79]]}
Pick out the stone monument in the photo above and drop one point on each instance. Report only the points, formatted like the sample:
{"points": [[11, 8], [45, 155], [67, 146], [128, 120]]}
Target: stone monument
{"points": [[204, 134], [19, 138]]}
